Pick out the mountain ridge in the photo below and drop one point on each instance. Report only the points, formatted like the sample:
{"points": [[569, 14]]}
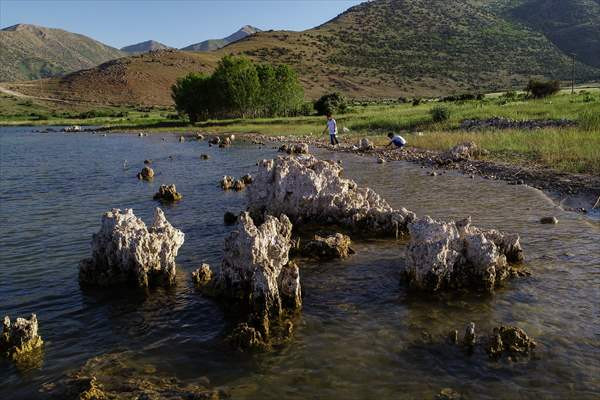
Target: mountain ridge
{"points": [[145, 46], [215, 44]]}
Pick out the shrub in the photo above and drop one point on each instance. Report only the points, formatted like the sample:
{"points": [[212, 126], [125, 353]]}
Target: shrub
{"points": [[439, 113], [416, 101], [307, 108], [331, 104], [539, 89]]}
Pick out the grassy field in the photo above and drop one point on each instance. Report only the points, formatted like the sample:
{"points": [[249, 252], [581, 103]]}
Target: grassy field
{"points": [[574, 149]]}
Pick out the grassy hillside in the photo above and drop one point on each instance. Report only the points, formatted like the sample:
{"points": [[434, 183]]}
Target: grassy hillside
{"points": [[32, 52], [215, 44], [143, 47], [382, 48]]}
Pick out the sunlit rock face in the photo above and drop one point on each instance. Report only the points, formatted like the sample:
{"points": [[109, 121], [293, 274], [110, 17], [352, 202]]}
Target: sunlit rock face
{"points": [[454, 255], [20, 340], [309, 190], [125, 251]]}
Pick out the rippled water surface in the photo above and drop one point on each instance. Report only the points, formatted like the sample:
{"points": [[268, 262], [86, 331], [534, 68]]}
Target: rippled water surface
{"points": [[360, 334]]}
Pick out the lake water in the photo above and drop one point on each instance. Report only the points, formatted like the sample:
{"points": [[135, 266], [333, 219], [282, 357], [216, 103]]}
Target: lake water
{"points": [[360, 334]]}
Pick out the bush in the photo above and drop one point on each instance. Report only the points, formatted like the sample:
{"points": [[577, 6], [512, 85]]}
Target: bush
{"points": [[307, 108], [416, 101], [439, 113], [332, 103], [539, 89]]}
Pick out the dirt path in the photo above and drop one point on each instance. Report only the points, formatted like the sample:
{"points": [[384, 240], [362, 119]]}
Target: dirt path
{"points": [[26, 96]]}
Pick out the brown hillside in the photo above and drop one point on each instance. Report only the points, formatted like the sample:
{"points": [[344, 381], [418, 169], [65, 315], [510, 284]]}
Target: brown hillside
{"points": [[382, 48]]}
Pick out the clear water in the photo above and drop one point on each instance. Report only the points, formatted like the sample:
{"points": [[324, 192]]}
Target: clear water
{"points": [[360, 334]]}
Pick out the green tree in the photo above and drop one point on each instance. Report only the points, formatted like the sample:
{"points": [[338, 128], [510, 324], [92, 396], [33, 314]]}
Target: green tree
{"points": [[237, 86]]}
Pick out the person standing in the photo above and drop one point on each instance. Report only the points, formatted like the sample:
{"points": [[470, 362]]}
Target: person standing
{"points": [[332, 129]]}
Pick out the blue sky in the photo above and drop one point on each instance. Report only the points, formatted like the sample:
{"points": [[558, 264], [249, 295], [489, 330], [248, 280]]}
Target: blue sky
{"points": [[174, 23]]}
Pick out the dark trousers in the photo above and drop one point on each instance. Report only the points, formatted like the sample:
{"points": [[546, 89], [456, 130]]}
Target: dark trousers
{"points": [[333, 139]]}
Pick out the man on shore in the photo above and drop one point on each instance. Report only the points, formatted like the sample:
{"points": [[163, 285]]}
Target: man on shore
{"points": [[396, 140], [332, 129]]}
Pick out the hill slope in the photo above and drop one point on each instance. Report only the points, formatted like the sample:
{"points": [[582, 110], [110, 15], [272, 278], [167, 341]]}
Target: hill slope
{"points": [[383, 48], [143, 47], [215, 44], [32, 52]]}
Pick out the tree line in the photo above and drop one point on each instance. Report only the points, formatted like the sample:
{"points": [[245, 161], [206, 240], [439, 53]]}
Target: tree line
{"points": [[238, 88]]}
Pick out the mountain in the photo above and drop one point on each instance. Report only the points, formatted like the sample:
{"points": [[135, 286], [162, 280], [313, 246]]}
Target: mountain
{"points": [[215, 44], [32, 52], [144, 47], [573, 26], [380, 48]]}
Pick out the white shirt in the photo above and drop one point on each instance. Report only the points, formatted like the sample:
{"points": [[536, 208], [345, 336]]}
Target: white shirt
{"points": [[332, 126]]}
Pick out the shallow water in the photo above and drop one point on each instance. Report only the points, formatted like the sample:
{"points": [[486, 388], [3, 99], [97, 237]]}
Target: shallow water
{"points": [[360, 334]]}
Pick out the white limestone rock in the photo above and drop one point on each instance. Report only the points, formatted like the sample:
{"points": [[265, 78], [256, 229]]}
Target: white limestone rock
{"points": [[310, 190], [453, 255], [366, 145], [256, 268], [126, 251]]}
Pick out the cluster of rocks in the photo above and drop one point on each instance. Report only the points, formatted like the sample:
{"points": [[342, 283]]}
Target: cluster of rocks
{"points": [[125, 251], [72, 129], [168, 194], [20, 341], [310, 190], [507, 123], [456, 255], [229, 182], [505, 341], [257, 276], [365, 145], [294, 148], [221, 141], [146, 173]]}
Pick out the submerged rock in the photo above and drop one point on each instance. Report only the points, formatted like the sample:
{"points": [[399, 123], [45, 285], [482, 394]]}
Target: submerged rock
{"points": [[226, 141], [204, 156], [239, 185], [511, 341], [125, 251], [146, 174], [327, 247], [229, 218], [310, 190], [214, 140], [470, 338], [181, 139], [453, 255], [247, 179], [120, 376], [246, 337], [168, 193], [20, 340], [294, 148], [227, 182]]}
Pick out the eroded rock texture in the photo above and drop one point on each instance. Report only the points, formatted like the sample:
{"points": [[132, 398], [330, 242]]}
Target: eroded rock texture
{"points": [[462, 152], [227, 182], [125, 251], [326, 247], [294, 148], [454, 255], [20, 340], [510, 341], [146, 174], [309, 190], [365, 145]]}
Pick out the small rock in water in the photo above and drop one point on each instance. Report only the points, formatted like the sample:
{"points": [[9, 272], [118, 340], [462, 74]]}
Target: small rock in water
{"points": [[20, 339], [448, 394], [168, 193], [146, 174], [470, 336], [181, 139], [204, 156], [203, 275], [328, 247], [227, 182], [433, 173], [511, 341], [453, 336], [239, 185], [380, 160], [147, 162], [549, 220], [247, 179]]}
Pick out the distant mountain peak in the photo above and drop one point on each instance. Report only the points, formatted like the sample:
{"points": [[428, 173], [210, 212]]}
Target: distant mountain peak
{"points": [[22, 27], [215, 44], [143, 47]]}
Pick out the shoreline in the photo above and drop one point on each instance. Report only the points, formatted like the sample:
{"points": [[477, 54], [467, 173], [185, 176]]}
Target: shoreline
{"points": [[572, 192]]}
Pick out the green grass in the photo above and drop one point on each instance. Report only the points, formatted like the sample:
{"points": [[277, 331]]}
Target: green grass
{"points": [[570, 149]]}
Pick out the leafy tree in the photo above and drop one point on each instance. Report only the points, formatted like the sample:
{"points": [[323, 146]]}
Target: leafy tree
{"points": [[237, 86], [439, 113], [539, 89], [330, 104]]}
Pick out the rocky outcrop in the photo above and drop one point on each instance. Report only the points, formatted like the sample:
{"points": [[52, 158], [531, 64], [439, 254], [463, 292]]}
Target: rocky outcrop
{"points": [[310, 190], [239, 185], [462, 152], [455, 255], [121, 376], [168, 193], [365, 145], [146, 174], [327, 247], [20, 340], [229, 218], [203, 275], [507, 123], [247, 179], [125, 251]]}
